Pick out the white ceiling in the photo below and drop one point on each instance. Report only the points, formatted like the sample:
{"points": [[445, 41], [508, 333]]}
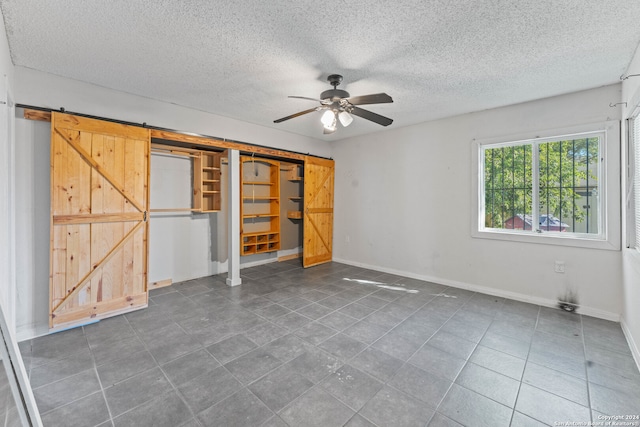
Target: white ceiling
{"points": [[242, 58]]}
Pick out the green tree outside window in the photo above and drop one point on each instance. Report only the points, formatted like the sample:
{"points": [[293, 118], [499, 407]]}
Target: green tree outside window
{"points": [[568, 179]]}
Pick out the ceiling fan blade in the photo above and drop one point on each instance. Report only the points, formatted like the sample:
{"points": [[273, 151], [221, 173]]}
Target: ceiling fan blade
{"points": [[376, 98], [366, 114], [305, 97], [293, 116]]}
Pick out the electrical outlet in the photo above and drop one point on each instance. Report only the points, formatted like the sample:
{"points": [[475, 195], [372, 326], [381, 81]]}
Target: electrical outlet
{"points": [[559, 267], [347, 238]]}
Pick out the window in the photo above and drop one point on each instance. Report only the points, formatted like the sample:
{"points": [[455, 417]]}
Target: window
{"points": [[552, 186]]}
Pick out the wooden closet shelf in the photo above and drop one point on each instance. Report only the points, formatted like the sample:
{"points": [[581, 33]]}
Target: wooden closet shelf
{"points": [[257, 183], [259, 198], [294, 214], [270, 236]]}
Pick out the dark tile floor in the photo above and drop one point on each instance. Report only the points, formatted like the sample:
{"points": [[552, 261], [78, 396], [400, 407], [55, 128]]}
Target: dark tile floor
{"points": [[9, 416], [295, 347]]}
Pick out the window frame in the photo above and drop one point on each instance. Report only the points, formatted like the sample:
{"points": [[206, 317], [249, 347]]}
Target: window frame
{"points": [[633, 173], [609, 236]]}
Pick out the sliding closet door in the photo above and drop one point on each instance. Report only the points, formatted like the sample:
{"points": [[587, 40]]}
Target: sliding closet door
{"points": [[318, 211], [99, 228]]}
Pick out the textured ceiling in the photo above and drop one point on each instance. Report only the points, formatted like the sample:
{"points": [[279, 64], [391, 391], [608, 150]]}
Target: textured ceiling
{"points": [[242, 58]]}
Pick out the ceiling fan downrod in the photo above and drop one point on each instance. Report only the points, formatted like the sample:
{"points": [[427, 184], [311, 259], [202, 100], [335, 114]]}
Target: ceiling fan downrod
{"points": [[334, 94]]}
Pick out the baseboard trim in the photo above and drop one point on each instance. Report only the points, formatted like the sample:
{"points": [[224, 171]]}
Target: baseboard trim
{"points": [[31, 332], [159, 284], [635, 350], [256, 263], [290, 257], [587, 311], [288, 254]]}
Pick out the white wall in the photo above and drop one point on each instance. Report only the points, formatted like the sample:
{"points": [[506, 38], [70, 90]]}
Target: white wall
{"points": [[403, 203], [7, 180], [181, 246], [631, 257], [33, 154]]}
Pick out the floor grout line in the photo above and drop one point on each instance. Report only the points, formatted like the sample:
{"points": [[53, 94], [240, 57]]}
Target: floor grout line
{"points": [[586, 370], [175, 389], [524, 369]]}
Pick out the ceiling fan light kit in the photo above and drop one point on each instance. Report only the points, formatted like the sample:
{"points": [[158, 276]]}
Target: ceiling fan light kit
{"points": [[328, 119], [338, 105], [345, 118]]}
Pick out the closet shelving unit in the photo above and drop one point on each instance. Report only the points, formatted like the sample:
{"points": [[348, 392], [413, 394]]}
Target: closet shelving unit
{"points": [[206, 181], [295, 174], [260, 207]]}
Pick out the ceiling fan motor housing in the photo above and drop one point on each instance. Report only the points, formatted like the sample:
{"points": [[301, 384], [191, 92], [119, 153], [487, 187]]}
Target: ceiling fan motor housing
{"points": [[334, 94]]}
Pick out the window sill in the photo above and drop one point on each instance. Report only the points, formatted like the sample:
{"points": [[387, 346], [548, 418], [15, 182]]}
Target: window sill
{"points": [[555, 239]]}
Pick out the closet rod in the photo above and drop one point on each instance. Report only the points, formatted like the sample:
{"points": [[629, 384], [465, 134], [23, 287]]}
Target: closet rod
{"points": [[158, 128], [174, 210], [169, 152]]}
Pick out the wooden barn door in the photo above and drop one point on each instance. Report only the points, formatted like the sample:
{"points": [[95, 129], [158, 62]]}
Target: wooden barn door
{"points": [[318, 211], [99, 228]]}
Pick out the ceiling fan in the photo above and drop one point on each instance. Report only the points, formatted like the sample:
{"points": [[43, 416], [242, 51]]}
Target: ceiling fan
{"points": [[338, 106]]}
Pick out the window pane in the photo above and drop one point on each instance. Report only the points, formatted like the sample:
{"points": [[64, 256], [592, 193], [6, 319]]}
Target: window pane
{"points": [[568, 185], [568, 192], [507, 184]]}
